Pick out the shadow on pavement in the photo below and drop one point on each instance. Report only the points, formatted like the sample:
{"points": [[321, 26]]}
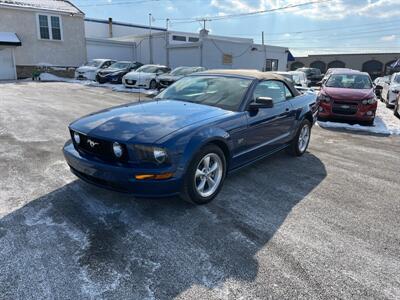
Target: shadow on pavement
{"points": [[83, 242]]}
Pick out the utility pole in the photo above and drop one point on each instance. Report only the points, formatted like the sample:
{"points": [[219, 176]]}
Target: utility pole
{"points": [[265, 51], [150, 40], [167, 42]]}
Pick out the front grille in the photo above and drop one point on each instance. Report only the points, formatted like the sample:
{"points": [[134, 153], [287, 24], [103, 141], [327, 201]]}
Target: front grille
{"points": [[99, 148], [345, 108], [132, 82]]}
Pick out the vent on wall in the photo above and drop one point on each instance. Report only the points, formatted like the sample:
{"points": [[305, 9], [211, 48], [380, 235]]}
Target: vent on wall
{"points": [[227, 59]]}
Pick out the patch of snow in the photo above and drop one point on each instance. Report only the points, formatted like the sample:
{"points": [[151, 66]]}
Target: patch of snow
{"points": [[9, 37], [385, 123], [56, 5], [51, 77]]}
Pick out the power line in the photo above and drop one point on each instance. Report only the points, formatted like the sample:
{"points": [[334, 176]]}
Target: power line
{"points": [[224, 17]]}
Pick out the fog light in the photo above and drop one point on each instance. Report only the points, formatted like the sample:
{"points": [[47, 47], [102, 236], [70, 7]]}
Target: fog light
{"points": [[320, 109], [369, 113], [117, 150], [77, 138]]}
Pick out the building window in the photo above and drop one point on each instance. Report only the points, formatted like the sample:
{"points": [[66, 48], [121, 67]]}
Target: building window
{"points": [[193, 39], [179, 38], [49, 27], [44, 27], [271, 65], [227, 59]]}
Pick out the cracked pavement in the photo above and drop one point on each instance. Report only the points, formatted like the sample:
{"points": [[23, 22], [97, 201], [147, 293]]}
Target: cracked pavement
{"points": [[323, 226]]}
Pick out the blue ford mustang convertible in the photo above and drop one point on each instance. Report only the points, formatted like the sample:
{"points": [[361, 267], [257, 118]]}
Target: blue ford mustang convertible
{"points": [[188, 138]]}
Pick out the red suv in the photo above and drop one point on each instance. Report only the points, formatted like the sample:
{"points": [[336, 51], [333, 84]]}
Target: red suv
{"points": [[348, 95]]}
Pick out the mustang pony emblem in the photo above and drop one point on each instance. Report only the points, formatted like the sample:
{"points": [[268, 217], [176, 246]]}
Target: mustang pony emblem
{"points": [[92, 143]]}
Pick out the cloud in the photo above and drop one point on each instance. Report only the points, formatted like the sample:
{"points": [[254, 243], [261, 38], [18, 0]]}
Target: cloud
{"points": [[388, 38], [333, 10]]}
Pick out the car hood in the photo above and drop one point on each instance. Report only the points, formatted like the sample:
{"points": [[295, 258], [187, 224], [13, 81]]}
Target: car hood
{"points": [[111, 70], [169, 77], [395, 86], [145, 122], [137, 75], [348, 94], [86, 69]]}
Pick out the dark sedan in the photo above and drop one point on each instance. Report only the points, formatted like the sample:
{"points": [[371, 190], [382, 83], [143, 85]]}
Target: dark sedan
{"points": [[116, 71], [176, 74], [187, 139]]}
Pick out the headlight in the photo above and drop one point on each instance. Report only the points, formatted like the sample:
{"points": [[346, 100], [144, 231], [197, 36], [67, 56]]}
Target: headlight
{"points": [[368, 101], [118, 151], [77, 138], [160, 155], [324, 98], [152, 154]]}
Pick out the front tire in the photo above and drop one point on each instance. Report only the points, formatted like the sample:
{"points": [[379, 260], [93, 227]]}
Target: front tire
{"points": [[397, 108], [298, 146], [205, 175], [153, 85]]}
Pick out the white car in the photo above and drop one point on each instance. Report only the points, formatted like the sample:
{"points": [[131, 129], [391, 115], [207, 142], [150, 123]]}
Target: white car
{"points": [[300, 79], [390, 89], [89, 70], [145, 76]]}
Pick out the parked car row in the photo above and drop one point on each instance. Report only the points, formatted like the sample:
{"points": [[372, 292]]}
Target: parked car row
{"points": [[132, 74]]}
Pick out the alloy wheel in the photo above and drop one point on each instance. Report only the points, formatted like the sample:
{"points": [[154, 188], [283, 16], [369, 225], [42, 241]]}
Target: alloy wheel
{"points": [[304, 138], [208, 175]]}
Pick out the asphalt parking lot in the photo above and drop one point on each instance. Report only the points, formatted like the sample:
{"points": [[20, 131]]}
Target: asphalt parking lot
{"points": [[322, 226]]}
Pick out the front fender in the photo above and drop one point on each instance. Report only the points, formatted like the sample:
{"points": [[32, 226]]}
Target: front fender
{"points": [[200, 139]]}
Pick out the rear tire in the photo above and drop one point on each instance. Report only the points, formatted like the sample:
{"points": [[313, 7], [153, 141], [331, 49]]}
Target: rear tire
{"points": [[198, 185], [299, 144]]}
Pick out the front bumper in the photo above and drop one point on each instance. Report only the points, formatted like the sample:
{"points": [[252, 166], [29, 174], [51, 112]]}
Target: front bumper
{"points": [[117, 177], [134, 83], [360, 112]]}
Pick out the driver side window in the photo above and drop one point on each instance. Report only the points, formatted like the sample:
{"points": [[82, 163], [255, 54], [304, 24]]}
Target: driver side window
{"points": [[271, 89]]}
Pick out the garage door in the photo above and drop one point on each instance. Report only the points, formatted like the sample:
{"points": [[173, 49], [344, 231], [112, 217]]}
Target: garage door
{"points": [[7, 69]]}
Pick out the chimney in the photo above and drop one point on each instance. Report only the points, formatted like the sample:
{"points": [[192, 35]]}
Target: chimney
{"points": [[110, 33], [203, 33]]}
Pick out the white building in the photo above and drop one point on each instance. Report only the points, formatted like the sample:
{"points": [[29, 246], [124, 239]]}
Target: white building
{"points": [[50, 32], [174, 48]]}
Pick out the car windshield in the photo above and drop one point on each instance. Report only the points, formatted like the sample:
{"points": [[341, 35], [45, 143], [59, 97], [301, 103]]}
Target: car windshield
{"points": [[94, 63], [219, 91], [397, 79], [349, 81], [296, 78], [148, 69], [119, 65], [307, 71], [182, 71]]}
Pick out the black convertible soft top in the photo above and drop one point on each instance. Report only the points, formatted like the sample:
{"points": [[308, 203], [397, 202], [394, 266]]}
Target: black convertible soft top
{"points": [[254, 74]]}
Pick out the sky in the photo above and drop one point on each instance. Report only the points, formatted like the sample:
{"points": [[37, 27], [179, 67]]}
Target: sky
{"points": [[325, 26]]}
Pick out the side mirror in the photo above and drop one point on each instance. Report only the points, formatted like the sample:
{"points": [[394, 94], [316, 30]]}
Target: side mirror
{"points": [[261, 102], [319, 83]]}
